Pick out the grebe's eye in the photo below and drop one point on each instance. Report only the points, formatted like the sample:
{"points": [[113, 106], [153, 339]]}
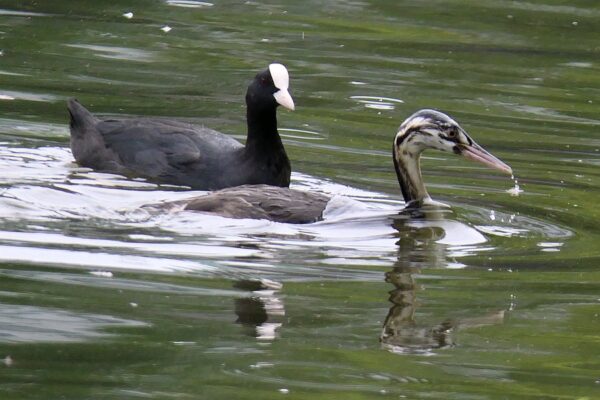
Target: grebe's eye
{"points": [[452, 133]]}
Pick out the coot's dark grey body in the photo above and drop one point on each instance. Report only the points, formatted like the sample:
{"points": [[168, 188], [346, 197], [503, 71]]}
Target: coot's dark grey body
{"points": [[258, 202], [173, 152]]}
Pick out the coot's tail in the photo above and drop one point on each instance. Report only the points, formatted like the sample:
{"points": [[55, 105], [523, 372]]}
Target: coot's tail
{"points": [[81, 118]]}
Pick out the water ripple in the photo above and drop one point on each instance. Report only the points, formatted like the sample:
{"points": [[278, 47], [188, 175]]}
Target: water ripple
{"points": [[29, 324], [189, 3], [29, 129], [300, 134], [23, 13], [377, 103], [361, 227], [16, 95], [117, 52]]}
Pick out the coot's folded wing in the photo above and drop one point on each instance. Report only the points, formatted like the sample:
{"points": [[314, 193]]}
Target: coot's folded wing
{"points": [[159, 148]]}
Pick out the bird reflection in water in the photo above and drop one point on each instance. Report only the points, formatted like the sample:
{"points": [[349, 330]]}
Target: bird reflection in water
{"points": [[423, 243], [262, 312]]}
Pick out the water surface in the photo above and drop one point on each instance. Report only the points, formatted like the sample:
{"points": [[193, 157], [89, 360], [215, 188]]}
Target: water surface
{"points": [[496, 297]]}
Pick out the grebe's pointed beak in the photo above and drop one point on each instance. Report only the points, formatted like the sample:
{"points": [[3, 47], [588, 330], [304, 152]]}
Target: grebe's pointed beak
{"points": [[477, 153]]}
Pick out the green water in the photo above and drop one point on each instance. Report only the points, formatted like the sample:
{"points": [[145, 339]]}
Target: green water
{"points": [[498, 298]]}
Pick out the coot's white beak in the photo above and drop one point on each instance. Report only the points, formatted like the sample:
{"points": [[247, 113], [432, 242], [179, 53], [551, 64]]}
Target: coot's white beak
{"points": [[281, 80], [284, 98]]}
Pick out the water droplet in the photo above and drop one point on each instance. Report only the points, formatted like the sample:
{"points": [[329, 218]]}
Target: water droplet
{"points": [[128, 15], [166, 29], [515, 190], [284, 390]]}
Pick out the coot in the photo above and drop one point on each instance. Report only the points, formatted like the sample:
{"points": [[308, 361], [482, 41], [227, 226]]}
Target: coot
{"points": [[179, 153]]}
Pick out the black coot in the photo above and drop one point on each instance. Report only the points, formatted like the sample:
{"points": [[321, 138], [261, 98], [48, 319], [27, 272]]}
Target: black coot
{"points": [[174, 152]]}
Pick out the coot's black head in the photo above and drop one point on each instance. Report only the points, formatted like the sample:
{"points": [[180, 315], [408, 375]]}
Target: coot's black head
{"points": [[269, 89], [430, 129]]}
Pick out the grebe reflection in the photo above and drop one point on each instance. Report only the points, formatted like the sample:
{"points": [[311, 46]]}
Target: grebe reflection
{"points": [[424, 241]]}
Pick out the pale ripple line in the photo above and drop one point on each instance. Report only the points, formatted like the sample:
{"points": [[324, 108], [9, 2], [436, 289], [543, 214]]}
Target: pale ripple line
{"points": [[115, 52], [189, 3], [29, 129], [377, 98], [313, 135], [41, 97], [120, 283], [558, 9], [30, 324], [179, 249], [548, 114], [22, 13], [42, 256]]}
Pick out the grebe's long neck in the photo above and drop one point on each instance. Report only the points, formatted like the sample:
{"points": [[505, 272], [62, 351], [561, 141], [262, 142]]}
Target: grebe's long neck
{"points": [[408, 170]]}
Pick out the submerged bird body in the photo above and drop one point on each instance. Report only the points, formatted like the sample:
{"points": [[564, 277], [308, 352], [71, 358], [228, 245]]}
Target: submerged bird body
{"points": [[423, 130], [174, 152], [258, 202]]}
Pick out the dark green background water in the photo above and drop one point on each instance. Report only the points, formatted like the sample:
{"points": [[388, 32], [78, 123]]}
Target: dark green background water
{"points": [[497, 299]]}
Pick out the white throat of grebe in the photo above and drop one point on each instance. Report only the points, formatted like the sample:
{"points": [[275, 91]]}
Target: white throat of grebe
{"points": [[430, 129]]}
